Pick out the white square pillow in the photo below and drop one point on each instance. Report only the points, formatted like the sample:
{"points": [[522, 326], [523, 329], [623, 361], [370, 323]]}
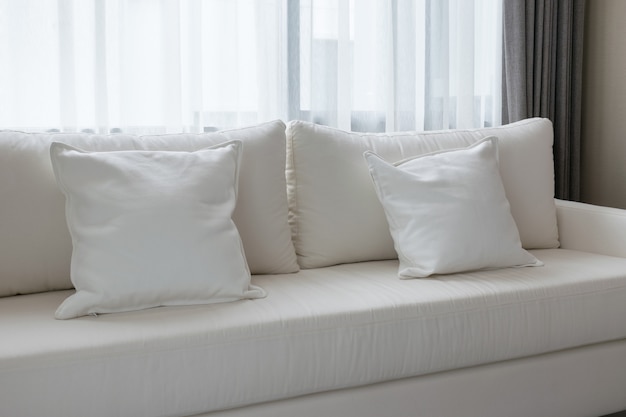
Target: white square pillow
{"points": [[151, 228], [448, 212], [336, 218]]}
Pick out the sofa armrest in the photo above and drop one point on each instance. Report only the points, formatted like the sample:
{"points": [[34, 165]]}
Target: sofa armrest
{"points": [[591, 228]]}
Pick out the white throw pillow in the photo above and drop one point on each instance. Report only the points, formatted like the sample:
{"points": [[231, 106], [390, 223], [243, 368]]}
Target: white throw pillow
{"points": [[336, 218], [151, 228], [36, 247], [448, 212]]}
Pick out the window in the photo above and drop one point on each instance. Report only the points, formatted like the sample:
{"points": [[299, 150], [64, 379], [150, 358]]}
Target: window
{"points": [[197, 65]]}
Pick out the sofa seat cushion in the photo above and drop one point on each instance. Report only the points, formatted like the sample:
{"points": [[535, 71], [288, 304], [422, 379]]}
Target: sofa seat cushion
{"points": [[317, 330]]}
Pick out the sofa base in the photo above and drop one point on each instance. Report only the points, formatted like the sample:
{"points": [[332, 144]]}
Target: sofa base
{"points": [[584, 382]]}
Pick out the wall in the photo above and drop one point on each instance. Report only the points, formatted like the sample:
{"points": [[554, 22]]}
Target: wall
{"points": [[604, 104]]}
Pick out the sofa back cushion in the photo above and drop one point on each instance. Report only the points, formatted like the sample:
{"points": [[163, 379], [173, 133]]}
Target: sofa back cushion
{"points": [[35, 245], [336, 217]]}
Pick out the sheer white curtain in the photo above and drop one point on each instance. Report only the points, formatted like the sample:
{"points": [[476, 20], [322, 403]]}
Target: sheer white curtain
{"points": [[199, 65]]}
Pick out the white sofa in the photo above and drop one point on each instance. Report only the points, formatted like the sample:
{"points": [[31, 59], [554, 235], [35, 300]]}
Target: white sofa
{"points": [[343, 336]]}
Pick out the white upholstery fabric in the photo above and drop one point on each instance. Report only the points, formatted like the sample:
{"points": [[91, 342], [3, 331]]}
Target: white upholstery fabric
{"points": [[334, 213], [35, 248], [592, 228], [447, 211], [152, 228], [317, 330], [580, 382]]}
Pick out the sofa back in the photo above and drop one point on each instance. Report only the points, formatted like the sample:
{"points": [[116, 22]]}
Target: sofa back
{"points": [[335, 214], [35, 245]]}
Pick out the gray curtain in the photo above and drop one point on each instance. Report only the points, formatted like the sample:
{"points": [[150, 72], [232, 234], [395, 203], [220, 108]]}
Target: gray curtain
{"points": [[542, 76]]}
